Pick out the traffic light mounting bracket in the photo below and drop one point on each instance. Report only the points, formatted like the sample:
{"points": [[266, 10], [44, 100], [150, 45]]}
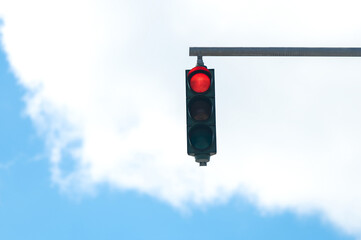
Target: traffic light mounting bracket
{"points": [[274, 52], [200, 61]]}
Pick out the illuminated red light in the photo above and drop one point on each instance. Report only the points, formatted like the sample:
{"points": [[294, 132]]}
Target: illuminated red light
{"points": [[200, 82]]}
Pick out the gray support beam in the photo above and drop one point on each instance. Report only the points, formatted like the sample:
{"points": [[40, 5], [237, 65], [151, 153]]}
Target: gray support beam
{"points": [[274, 51]]}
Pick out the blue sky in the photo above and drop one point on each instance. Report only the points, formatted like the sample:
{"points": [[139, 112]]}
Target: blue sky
{"points": [[92, 133], [31, 207]]}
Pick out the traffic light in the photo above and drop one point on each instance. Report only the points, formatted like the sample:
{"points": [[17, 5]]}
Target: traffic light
{"points": [[201, 114]]}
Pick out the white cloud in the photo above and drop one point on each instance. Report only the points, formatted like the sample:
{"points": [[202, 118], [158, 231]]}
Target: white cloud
{"points": [[105, 84]]}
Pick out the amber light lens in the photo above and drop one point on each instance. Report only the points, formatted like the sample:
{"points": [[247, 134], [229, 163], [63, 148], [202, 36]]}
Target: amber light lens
{"points": [[200, 82], [200, 109]]}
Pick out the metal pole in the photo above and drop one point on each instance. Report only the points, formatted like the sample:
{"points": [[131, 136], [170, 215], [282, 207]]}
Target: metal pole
{"points": [[274, 51]]}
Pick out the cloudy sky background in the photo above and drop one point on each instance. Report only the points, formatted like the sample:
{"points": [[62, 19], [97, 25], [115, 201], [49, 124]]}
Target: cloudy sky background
{"points": [[104, 87]]}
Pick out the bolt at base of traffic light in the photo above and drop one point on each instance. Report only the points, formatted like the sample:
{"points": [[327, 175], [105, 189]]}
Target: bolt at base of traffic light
{"points": [[201, 114], [202, 159]]}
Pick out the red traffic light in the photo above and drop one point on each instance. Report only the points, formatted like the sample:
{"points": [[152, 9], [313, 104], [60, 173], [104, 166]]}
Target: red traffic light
{"points": [[200, 80], [201, 116]]}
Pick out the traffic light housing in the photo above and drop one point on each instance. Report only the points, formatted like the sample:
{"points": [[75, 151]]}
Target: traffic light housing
{"points": [[201, 114]]}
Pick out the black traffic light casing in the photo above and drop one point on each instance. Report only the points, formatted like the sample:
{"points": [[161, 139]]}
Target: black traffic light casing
{"points": [[201, 117]]}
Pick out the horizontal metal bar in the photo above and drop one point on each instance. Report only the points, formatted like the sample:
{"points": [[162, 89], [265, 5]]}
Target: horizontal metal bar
{"points": [[275, 51]]}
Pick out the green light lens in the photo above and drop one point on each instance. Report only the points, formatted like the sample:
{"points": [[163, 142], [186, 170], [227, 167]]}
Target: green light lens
{"points": [[200, 137]]}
